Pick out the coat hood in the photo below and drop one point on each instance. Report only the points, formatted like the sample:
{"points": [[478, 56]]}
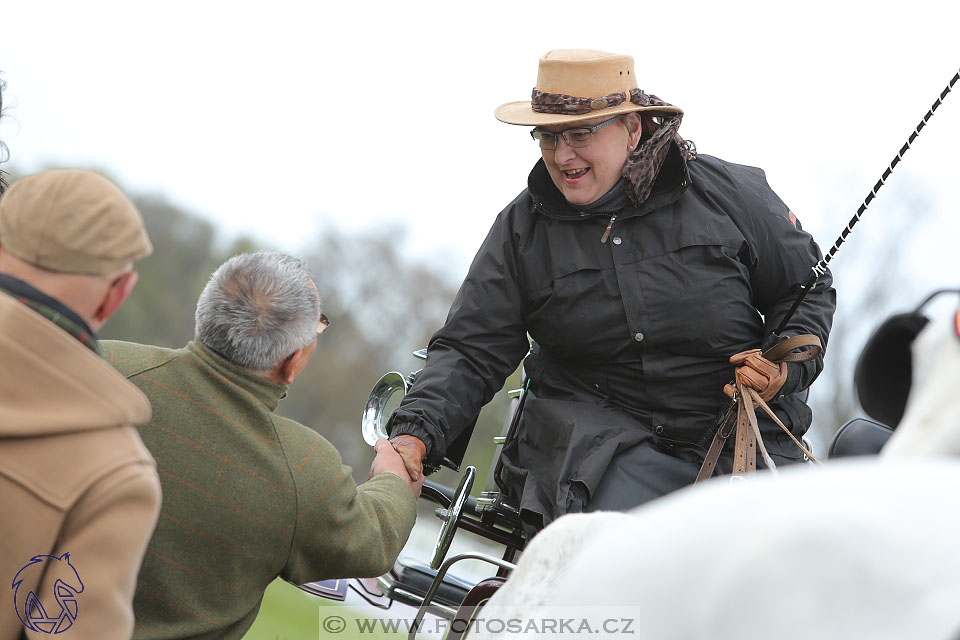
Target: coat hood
{"points": [[51, 384]]}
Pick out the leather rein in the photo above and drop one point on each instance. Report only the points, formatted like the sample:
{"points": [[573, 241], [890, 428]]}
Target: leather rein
{"points": [[741, 418]]}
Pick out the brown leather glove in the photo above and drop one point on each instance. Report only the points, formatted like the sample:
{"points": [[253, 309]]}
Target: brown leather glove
{"points": [[412, 450], [758, 373]]}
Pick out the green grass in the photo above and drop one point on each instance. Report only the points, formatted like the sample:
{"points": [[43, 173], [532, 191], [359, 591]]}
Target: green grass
{"points": [[287, 613]]}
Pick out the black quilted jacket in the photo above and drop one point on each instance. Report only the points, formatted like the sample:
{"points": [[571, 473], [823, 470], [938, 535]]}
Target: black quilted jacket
{"points": [[634, 332]]}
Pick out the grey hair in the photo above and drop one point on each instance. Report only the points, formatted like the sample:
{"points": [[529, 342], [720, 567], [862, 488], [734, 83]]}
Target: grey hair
{"points": [[258, 309]]}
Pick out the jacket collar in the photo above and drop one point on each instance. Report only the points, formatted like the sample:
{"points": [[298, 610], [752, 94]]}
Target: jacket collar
{"points": [[670, 184], [268, 393]]}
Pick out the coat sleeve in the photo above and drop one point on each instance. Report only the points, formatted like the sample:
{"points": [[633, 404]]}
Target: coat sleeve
{"points": [[482, 342], [342, 530], [106, 535], [780, 255]]}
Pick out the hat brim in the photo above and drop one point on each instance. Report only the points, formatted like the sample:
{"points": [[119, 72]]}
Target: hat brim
{"points": [[521, 113]]}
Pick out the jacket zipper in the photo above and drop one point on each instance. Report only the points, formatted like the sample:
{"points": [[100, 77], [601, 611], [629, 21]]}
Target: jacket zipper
{"points": [[606, 233]]}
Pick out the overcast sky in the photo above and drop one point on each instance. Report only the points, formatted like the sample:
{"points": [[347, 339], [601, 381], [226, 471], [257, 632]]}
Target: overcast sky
{"points": [[276, 118]]}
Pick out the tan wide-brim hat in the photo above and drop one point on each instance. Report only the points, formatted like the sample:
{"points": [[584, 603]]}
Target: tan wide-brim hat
{"points": [[600, 83], [72, 221]]}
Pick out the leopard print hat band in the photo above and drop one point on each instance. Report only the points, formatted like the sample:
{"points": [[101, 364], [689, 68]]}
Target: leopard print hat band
{"points": [[542, 102]]}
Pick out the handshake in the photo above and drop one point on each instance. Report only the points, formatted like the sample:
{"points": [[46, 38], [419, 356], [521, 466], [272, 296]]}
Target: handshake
{"points": [[403, 456]]}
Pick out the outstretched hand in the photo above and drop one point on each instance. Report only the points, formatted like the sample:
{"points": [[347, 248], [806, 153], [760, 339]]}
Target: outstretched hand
{"points": [[758, 373], [412, 450], [387, 460]]}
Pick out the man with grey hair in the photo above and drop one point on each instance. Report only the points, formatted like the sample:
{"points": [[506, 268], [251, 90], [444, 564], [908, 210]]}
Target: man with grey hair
{"points": [[258, 309], [249, 495]]}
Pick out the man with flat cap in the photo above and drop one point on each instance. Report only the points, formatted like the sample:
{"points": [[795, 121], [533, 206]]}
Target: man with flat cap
{"points": [[79, 491]]}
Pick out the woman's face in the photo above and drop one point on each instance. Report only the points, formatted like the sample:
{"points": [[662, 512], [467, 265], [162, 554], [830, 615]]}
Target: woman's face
{"points": [[584, 174]]}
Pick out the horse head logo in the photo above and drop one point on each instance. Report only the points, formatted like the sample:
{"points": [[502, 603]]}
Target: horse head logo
{"points": [[66, 587]]}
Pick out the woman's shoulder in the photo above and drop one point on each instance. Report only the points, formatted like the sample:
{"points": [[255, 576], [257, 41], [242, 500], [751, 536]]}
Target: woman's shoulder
{"points": [[707, 166], [740, 190], [520, 209]]}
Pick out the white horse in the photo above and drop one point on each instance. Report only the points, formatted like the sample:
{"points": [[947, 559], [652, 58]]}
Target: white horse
{"points": [[858, 548], [931, 420]]}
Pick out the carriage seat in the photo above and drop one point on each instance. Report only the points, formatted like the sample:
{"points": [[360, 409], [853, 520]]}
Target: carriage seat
{"points": [[415, 577], [859, 437]]}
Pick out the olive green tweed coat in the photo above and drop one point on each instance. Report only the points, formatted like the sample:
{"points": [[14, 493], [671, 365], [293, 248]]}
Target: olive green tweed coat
{"points": [[247, 496]]}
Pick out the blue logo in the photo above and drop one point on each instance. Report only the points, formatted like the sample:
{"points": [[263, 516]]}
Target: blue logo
{"points": [[66, 587]]}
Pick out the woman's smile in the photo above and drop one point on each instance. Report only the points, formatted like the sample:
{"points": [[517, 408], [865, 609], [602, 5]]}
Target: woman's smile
{"points": [[573, 176]]}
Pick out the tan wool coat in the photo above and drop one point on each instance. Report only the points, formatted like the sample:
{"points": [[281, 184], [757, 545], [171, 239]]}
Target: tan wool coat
{"points": [[78, 489]]}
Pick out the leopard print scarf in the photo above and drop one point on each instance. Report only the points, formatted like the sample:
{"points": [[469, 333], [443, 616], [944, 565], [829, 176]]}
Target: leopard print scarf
{"points": [[645, 162]]}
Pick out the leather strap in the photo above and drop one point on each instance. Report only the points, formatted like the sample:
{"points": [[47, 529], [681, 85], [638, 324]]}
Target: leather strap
{"points": [[740, 415], [784, 349], [719, 438], [745, 445]]}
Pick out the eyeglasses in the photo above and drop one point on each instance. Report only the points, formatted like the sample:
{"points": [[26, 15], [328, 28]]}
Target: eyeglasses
{"points": [[577, 137], [322, 324]]}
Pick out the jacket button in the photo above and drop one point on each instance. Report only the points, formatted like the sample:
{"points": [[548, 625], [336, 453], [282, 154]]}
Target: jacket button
{"points": [[659, 428], [617, 240], [638, 337]]}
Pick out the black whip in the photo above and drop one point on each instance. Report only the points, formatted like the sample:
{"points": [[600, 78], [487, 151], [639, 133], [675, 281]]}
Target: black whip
{"points": [[821, 267]]}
